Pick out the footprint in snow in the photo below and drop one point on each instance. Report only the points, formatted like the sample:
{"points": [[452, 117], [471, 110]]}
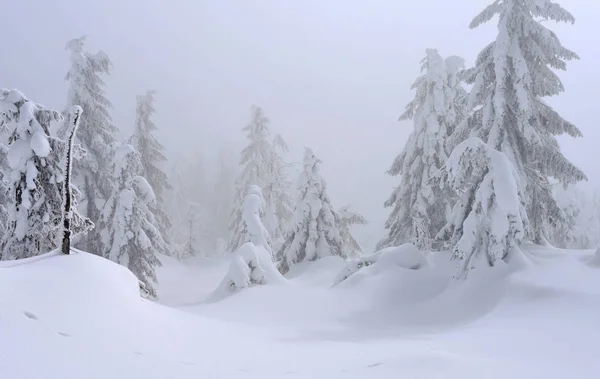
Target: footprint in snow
{"points": [[64, 334], [375, 364], [30, 315]]}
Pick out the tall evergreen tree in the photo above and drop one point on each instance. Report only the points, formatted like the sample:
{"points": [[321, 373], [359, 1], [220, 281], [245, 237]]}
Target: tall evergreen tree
{"points": [[152, 155], [278, 202], [96, 133], [35, 180], [419, 206], [314, 231], [130, 234], [262, 166], [511, 77]]}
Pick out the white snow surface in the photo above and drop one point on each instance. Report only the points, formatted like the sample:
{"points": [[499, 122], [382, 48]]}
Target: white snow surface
{"points": [[81, 316]]}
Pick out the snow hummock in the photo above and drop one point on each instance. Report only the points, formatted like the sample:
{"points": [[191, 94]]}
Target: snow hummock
{"points": [[81, 316], [406, 256]]}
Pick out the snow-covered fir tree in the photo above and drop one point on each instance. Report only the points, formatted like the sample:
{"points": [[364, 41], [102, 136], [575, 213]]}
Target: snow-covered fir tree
{"points": [[278, 202], [511, 77], [261, 165], [489, 220], [419, 207], [130, 233], [96, 133], [582, 215], [347, 218], [35, 179], [152, 155], [314, 229]]}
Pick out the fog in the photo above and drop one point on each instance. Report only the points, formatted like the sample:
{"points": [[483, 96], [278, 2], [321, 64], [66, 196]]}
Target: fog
{"points": [[332, 75]]}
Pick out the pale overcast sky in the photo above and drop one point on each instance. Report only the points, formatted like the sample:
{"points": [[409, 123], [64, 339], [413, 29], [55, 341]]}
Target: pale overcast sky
{"points": [[333, 75]]}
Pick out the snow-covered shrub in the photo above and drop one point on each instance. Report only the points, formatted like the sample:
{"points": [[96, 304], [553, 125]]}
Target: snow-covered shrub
{"points": [[314, 231], [406, 256], [489, 220]]}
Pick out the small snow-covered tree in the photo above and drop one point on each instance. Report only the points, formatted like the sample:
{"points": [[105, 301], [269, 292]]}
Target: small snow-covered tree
{"points": [[263, 166], [511, 77], [253, 261], [347, 218], [130, 233], [419, 207], [489, 220], [152, 155], [96, 133], [581, 229], [35, 180], [253, 210], [314, 231]]}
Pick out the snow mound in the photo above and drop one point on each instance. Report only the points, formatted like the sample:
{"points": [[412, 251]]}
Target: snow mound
{"points": [[406, 256], [594, 260]]}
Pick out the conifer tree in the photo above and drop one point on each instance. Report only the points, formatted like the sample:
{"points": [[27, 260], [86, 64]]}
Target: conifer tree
{"points": [[130, 234], [96, 133], [35, 180], [314, 231], [511, 77], [419, 206], [489, 220], [347, 218], [278, 203], [152, 155], [262, 166]]}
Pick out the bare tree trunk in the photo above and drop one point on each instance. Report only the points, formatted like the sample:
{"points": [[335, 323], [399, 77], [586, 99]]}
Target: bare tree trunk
{"points": [[74, 117]]}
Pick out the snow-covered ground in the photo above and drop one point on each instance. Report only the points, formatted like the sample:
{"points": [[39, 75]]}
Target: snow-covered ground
{"points": [[81, 317]]}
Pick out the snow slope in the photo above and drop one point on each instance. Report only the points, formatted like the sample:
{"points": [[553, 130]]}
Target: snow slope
{"points": [[81, 316]]}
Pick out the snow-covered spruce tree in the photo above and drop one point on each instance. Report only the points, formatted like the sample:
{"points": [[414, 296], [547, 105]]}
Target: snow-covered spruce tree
{"points": [[261, 165], [489, 220], [581, 229], [35, 179], [511, 77], [278, 202], [419, 207], [130, 233], [314, 230], [347, 218], [152, 155], [96, 133]]}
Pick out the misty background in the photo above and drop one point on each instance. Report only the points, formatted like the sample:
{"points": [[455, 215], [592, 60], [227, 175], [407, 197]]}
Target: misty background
{"points": [[332, 75]]}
